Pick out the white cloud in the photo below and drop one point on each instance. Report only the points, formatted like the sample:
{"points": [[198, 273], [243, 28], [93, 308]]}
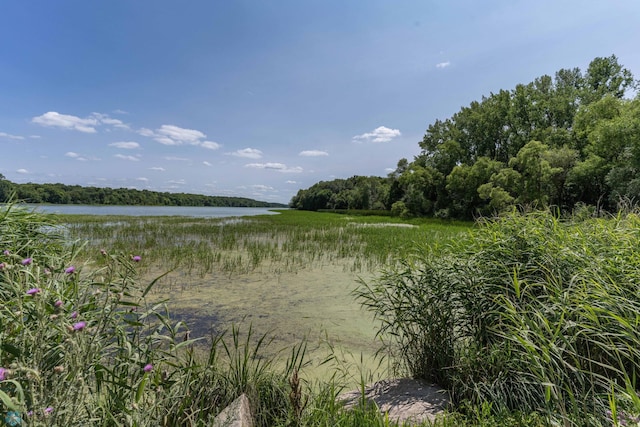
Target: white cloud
{"points": [[143, 179], [177, 181], [54, 119], [280, 167], [145, 132], [126, 145], [86, 125], [443, 64], [178, 159], [79, 157], [206, 163], [379, 134], [290, 182], [130, 158], [166, 141], [313, 153], [248, 153], [34, 136], [260, 187], [74, 156], [22, 171], [210, 145], [9, 136], [178, 135], [157, 168], [105, 119], [119, 111], [175, 135]]}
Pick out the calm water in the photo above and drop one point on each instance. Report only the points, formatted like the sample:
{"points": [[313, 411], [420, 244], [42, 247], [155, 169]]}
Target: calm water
{"points": [[190, 211]]}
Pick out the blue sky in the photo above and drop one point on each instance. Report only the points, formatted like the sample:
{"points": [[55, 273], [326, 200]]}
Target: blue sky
{"points": [[261, 98]]}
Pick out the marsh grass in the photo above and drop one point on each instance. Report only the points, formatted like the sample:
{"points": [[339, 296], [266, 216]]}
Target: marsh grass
{"points": [[91, 347], [289, 275], [529, 313], [84, 346], [287, 242]]}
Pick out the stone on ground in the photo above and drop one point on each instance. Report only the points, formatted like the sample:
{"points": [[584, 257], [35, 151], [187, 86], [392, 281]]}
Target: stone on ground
{"points": [[237, 414], [404, 399]]}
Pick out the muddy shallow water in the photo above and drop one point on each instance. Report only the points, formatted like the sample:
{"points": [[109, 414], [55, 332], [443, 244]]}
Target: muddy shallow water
{"points": [[313, 304]]}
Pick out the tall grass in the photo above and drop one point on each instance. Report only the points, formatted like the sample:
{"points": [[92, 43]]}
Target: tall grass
{"points": [[527, 313], [528, 320], [82, 346]]}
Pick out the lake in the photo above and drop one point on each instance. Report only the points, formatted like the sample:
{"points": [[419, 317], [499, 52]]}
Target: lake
{"points": [[188, 211]]}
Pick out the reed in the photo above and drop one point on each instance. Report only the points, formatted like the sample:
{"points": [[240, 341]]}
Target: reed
{"points": [[529, 312], [290, 241]]}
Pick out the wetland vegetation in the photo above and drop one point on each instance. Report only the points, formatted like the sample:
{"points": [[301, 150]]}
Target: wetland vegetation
{"points": [[290, 275], [526, 319]]}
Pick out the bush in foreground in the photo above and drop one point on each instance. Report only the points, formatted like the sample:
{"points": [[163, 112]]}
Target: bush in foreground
{"points": [[83, 346], [529, 313]]}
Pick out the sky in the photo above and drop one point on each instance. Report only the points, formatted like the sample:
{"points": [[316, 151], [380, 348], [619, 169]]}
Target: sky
{"points": [[262, 98]]}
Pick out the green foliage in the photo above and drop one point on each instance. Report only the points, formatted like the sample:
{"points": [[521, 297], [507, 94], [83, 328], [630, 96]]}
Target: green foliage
{"points": [[357, 192], [75, 194], [528, 313], [83, 346], [556, 141]]}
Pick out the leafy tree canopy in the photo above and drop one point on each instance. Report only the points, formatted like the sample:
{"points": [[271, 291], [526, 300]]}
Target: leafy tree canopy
{"points": [[556, 141], [75, 194]]}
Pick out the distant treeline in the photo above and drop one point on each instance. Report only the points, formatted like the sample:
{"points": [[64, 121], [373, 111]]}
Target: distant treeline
{"points": [[79, 195], [562, 141]]}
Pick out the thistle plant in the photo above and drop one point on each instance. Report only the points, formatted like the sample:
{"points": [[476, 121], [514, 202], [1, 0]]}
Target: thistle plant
{"points": [[80, 344]]}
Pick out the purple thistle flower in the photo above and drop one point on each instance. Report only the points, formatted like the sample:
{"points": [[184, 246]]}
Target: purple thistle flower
{"points": [[33, 291], [48, 410], [148, 367], [79, 326], [27, 261], [6, 252], [74, 314], [3, 374], [58, 303], [137, 258], [103, 252], [2, 265], [70, 270]]}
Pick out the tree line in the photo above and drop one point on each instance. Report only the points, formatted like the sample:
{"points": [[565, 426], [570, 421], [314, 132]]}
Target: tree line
{"points": [[562, 141], [76, 194]]}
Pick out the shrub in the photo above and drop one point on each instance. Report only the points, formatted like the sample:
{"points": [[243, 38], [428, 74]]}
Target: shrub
{"points": [[529, 313]]}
